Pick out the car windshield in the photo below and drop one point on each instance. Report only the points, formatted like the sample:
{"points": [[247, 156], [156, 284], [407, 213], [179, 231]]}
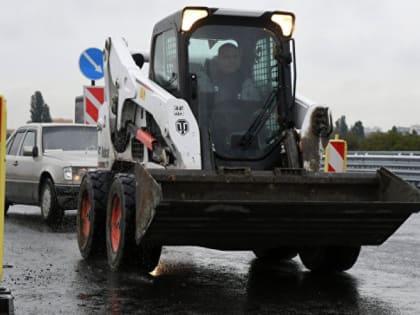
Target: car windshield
{"points": [[237, 78], [69, 138]]}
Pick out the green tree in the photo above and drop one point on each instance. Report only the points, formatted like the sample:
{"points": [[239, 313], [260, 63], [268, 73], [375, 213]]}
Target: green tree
{"points": [[390, 141], [358, 130], [353, 142], [46, 117], [40, 112], [341, 127]]}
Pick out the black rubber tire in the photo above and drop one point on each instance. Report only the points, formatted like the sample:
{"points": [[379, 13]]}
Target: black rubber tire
{"points": [[124, 253], [51, 211], [329, 259], [91, 214], [279, 253]]}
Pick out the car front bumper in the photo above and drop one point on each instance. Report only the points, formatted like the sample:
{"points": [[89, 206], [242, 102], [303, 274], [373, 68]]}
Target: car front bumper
{"points": [[67, 196]]}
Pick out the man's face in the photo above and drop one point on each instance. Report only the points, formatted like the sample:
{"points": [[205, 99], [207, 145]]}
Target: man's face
{"points": [[229, 59]]}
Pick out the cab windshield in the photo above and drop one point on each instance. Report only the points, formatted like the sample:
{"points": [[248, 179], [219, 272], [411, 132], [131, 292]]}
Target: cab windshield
{"points": [[237, 81]]}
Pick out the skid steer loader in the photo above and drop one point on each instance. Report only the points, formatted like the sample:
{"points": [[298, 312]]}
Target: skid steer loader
{"points": [[188, 158]]}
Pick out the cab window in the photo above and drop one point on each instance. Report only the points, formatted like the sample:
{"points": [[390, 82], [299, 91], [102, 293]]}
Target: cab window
{"points": [[237, 82], [165, 63]]}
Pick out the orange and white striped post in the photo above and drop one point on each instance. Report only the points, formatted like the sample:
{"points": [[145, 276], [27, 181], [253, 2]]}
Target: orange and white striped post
{"points": [[94, 97], [336, 156]]}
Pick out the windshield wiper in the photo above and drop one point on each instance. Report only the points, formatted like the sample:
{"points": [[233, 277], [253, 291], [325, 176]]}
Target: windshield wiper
{"points": [[260, 120]]}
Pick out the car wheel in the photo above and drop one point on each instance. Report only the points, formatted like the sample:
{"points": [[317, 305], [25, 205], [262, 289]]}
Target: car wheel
{"points": [[91, 213], [278, 253], [329, 259], [122, 250], [52, 213]]}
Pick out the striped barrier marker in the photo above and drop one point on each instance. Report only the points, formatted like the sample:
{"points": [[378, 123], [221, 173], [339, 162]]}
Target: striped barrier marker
{"points": [[93, 100], [336, 156]]}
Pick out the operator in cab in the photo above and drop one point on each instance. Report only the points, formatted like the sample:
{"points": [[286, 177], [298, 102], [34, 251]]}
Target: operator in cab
{"points": [[229, 80]]}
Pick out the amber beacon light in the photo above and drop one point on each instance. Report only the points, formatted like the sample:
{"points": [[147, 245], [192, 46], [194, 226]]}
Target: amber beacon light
{"points": [[191, 16], [286, 21]]}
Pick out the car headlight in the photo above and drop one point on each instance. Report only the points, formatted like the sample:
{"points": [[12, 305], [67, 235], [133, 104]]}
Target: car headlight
{"points": [[75, 174], [68, 173], [78, 173]]}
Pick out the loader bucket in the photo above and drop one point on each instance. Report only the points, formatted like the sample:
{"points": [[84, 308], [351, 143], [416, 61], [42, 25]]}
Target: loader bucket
{"points": [[244, 209]]}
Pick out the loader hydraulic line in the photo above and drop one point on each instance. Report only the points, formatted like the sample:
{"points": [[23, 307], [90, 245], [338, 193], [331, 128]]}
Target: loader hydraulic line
{"points": [[146, 138], [158, 152]]}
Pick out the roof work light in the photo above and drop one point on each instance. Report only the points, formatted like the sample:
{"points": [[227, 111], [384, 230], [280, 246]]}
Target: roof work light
{"points": [[192, 15], [286, 21]]}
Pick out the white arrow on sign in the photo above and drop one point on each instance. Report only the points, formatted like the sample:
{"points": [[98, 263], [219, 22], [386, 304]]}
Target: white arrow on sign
{"points": [[92, 62]]}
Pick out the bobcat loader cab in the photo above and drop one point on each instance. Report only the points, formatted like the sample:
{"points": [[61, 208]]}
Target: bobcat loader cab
{"points": [[188, 157], [242, 116]]}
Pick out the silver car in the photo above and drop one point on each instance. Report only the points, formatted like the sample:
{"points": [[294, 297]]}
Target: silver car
{"points": [[45, 164]]}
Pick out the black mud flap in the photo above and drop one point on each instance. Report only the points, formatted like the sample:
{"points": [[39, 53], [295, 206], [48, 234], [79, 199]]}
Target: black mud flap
{"points": [[244, 209]]}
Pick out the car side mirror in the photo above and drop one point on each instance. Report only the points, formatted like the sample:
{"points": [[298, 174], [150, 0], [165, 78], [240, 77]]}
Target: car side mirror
{"points": [[35, 151], [30, 151]]}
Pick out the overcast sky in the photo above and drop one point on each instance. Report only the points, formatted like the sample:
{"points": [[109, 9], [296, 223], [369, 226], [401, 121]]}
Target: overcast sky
{"points": [[360, 57]]}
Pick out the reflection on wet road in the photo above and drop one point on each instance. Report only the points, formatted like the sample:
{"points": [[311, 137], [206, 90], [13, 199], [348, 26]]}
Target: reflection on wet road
{"points": [[49, 277]]}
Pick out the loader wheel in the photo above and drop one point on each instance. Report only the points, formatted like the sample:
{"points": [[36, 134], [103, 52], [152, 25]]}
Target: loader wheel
{"points": [[122, 250], [279, 253], [51, 211], [91, 214], [329, 259]]}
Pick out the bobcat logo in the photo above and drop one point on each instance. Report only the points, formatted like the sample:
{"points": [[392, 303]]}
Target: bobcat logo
{"points": [[182, 126]]}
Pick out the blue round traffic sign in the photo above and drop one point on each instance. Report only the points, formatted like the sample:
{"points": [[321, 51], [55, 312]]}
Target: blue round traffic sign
{"points": [[91, 63]]}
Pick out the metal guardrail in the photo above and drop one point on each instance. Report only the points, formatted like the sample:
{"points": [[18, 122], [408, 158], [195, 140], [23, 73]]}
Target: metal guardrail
{"points": [[404, 164]]}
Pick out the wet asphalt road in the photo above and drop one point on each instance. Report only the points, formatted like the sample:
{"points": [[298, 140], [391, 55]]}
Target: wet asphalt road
{"points": [[46, 274]]}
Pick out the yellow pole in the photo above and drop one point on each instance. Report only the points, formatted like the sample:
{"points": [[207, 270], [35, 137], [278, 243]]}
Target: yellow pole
{"points": [[3, 130]]}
